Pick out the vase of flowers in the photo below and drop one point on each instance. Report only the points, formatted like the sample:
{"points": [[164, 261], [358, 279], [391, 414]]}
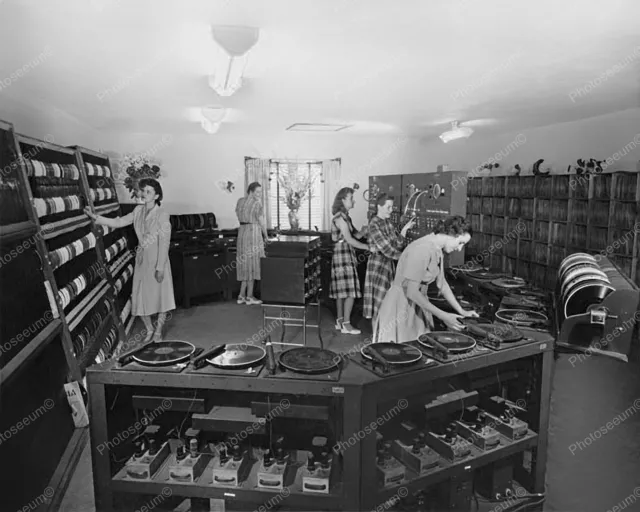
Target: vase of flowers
{"points": [[293, 204], [138, 167], [297, 185]]}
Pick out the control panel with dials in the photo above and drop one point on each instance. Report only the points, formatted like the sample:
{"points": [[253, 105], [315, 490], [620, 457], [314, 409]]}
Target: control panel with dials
{"points": [[426, 197]]}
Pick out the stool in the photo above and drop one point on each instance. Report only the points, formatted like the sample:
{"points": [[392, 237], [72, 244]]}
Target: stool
{"points": [[294, 322]]}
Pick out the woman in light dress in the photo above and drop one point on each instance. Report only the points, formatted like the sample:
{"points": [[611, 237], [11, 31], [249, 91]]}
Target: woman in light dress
{"points": [[152, 291], [406, 312], [251, 238]]}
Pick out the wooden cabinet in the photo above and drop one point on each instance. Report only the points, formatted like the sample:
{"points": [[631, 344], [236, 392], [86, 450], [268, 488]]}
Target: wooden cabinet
{"points": [[199, 272]]}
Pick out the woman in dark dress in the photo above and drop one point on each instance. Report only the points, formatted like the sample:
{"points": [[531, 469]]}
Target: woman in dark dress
{"points": [[345, 287]]}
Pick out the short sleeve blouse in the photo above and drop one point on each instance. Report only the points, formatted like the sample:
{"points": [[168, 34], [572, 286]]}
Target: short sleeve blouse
{"points": [[421, 262]]}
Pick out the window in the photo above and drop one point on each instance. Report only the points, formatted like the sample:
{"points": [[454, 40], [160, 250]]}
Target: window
{"points": [[311, 212]]}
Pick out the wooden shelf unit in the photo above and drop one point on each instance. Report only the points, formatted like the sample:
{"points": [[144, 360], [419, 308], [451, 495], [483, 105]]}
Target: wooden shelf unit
{"points": [[545, 218], [37, 356], [94, 165]]}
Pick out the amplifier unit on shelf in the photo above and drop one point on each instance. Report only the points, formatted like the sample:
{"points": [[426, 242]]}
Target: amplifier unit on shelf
{"points": [[596, 306]]}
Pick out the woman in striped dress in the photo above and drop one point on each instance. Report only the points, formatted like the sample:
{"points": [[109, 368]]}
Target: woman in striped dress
{"points": [[250, 245], [345, 287], [385, 247]]}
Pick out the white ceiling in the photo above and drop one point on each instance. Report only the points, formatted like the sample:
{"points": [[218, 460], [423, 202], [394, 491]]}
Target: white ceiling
{"points": [[380, 65]]}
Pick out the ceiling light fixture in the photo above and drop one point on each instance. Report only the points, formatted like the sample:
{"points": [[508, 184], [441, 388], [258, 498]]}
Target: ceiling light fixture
{"points": [[234, 45], [212, 118], [456, 132]]}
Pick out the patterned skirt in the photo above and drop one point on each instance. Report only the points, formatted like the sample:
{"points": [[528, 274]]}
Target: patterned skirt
{"points": [[380, 272], [250, 248], [344, 274]]}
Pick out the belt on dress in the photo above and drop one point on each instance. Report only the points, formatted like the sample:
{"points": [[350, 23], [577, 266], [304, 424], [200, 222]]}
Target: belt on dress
{"points": [[246, 223]]}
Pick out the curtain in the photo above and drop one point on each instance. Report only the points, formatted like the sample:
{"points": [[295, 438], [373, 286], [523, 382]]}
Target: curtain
{"points": [[258, 169], [332, 174]]}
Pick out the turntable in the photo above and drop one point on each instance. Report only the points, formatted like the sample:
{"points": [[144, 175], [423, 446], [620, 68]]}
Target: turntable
{"points": [[309, 360], [494, 335], [386, 359], [508, 282], [307, 363], [468, 268], [486, 275], [530, 293], [523, 318], [161, 356], [237, 357], [164, 353], [442, 303], [522, 302], [231, 359], [444, 345]]}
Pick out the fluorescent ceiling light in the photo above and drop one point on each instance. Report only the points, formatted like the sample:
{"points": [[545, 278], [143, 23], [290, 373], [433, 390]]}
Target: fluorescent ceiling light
{"points": [[456, 132], [310, 127], [234, 45]]}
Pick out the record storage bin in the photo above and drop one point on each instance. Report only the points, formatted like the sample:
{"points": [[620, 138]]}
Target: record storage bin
{"points": [[526, 225]]}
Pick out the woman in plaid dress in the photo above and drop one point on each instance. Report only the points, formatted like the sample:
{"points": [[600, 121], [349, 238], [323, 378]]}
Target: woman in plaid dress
{"points": [[345, 287], [385, 247]]}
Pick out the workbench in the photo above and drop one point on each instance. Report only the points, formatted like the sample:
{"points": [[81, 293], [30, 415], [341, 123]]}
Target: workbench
{"points": [[355, 401]]}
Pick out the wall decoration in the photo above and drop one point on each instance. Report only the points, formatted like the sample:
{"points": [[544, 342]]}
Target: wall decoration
{"points": [[592, 166], [536, 168], [133, 168], [226, 186]]}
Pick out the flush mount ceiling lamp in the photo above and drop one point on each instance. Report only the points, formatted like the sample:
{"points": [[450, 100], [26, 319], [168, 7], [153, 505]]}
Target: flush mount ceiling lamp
{"points": [[212, 118], [233, 45], [456, 132]]}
